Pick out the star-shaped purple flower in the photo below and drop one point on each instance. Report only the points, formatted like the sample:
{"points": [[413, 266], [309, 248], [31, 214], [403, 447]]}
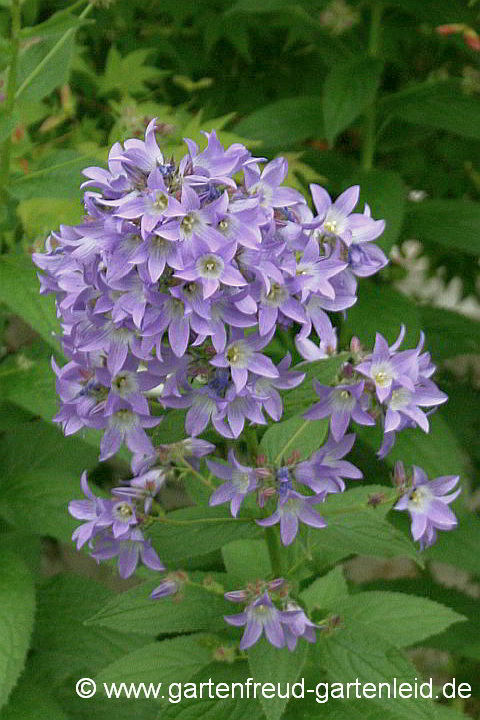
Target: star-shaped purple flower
{"points": [[428, 505]]}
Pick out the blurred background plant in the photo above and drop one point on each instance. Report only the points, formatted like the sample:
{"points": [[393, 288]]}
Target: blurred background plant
{"points": [[380, 93]]}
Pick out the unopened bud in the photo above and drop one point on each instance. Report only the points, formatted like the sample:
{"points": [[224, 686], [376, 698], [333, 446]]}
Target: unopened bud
{"points": [[224, 654], [213, 586], [355, 344], [399, 475]]}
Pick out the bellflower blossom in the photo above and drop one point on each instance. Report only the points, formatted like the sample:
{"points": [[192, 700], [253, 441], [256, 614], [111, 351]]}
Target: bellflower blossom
{"points": [[342, 403], [428, 505], [241, 480], [262, 616]]}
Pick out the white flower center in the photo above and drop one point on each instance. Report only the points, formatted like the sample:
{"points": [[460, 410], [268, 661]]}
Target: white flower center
{"points": [[383, 373], [343, 400], [161, 202], [188, 223], [237, 355], [276, 295], [420, 499], [125, 383], [123, 419], [122, 511], [240, 481], [210, 266], [400, 399]]}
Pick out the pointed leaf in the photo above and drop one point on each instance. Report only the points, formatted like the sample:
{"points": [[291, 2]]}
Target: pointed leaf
{"points": [[269, 664], [17, 605], [168, 661], [349, 88]]}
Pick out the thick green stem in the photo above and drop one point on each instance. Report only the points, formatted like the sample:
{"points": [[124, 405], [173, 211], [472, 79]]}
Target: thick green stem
{"points": [[10, 99], [274, 550], [368, 150]]}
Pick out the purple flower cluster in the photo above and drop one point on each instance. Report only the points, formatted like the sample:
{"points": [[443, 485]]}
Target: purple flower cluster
{"points": [[323, 473], [175, 282], [169, 294], [387, 383], [261, 615], [113, 527]]}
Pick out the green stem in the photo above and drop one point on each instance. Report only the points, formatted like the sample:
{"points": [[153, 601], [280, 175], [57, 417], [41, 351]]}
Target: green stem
{"points": [[10, 99], [185, 466], [252, 442], [274, 550], [67, 34], [368, 150]]}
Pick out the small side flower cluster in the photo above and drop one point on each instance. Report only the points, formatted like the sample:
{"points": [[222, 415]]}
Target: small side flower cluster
{"points": [[173, 263], [270, 611], [113, 528], [388, 384], [322, 474]]}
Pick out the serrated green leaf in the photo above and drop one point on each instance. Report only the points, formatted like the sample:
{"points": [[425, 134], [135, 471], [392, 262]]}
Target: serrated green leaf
{"points": [[17, 606], [349, 88], [31, 700], [438, 452], [325, 591], [196, 531], [247, 560], [269, 664], [19, 290], [38, 480], [441, 105], [59, 175], [357, 653], [400, 618], [199, 704], [55, 25], [55, 72], [354, 528], [295, 434], [168, 661], [284, 122], [129, 73], [63, 644], [195, 609], [452, 223]]}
